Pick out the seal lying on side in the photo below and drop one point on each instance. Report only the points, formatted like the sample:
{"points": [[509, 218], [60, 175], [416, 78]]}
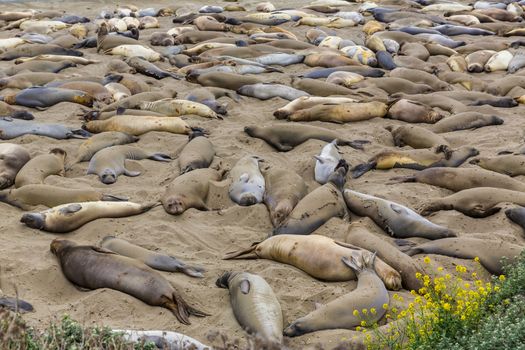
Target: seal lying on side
{"points": [[198, 153], [516, 215], [109, 163], [339, 313], [284, 137], [154, 260], [465, 121], [100, 141], [512, 165], [326, 162], [12, 158], [42, 97], [138, 125], [395, 219], [9, 129], [254, 304], [37, 169], [341, 113], [92, 268], [416, 137], [161, 339], [308, 102], [247, 187]]}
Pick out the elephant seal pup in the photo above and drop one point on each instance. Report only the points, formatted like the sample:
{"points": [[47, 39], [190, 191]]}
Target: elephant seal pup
{"points": [[138, 125], [360, 236], [395, 219], [15, 304], [479, 202], [29, 196], [254, 305], [308, 102], [459, 179], [317, 207], [465, 121], [265, 91], [512, 165], [189, 190], [11, 128], [222, 79], [248, 185], [489, 252], [417, 159], [284, 137], [284, 189], [92, 268], [109, 162], [38, 168], [476, 60], [12, 158], [153, 259], [341, 113], [339, 313], [326, 162], [176, 108], [318, 256], [416, 137], [100, 141], [149, 69], [42, 97], [198, 153]]}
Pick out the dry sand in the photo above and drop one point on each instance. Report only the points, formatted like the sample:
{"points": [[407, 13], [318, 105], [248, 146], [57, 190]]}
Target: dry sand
{"points": [[201, 238]]}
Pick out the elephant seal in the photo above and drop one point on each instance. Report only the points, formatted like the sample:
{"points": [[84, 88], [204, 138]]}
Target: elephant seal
{"points": [[512, 165], [465, 121], [248, 185], [30, 50], [208, 96], [15, 304], [326, 162], [98, 91], [12, 158], [153, 259], [108, 163], [339, 313], [284, 189], [7, 111], [10, 129], [27, 80], [43, 97], [284, 137], [100, 141], [417, 76], [189, 190], [138, 125], [490, 252], [137, 99], [416, 137], [479, 202], [360, 236], [343, 78], [198, 153], [92, 268], [341, 113], [38, 168], [318, 256], [305, 102], [222, 79], [107, 42], [149, 69], [29, 196], [265, 91], [516, 215], [477, 60], [395, 85], [499, 61], [395, 219], [319, 88], [254, 305], [361, 70]]}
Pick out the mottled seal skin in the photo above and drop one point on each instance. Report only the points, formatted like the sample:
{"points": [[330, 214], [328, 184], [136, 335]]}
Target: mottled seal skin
{"points": [[149, 69], [490, 252], [137, 99], [248, 185], [395, 219], [339, 313], [222, 79], [92, 268], [512, 165], [254, 304], [10, 129], [189, 190], [43, 97], [284, 189], [107, 42], [416, 137], [12, 158], [138, 125], [108, 163], [465, 121], [341, 113], [308, 102], [157, 261], [100, 141], [318, 256], [38, 168], [198, 153]]}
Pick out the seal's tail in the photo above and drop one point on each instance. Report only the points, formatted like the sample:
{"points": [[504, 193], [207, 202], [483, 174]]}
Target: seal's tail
{"points": [[246, 253], [360, 169], [192, 271]]}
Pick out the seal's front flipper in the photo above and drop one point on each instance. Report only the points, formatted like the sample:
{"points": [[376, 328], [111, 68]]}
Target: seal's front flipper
{"points": [[131, 173], [360, 169], [112, 198]]}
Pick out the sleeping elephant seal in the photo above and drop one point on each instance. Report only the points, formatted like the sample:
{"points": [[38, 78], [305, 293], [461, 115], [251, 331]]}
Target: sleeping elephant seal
{"points": [[489, 252], [109, 163], [370, 293], [254, 305], [318, 206], [284, 137], [42, 97], [326, 162], [138, 125], [395, 219], [68, 217], [189, 190], [416, 137], [284, 189], [108, 42], [12, 158], [153, 259], [37, 169], [465, 121], [248, 186], [341, 113], [413, 112], [318, 256], [12, 128], [478, 202], [222, 79], [308, 102], [100, 141], [198, 153], [92, 268], [516, 215], [512, 164]]}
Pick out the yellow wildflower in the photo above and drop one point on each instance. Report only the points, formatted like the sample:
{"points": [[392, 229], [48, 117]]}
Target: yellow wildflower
{"points": [[364, 311], [385, 306], [476, 259], [440, 268], [356, 313], [502, 278], [426, 260], [446, 306], [363, 323]]}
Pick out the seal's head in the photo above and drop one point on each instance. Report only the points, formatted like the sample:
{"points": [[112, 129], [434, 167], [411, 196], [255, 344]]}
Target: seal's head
{"points": [[108, 176], [192, 77], [250, 130], [224, 280], [58, 245], [174, 205], [247, 199], [475, 161], [281, 212], [59, 152], [34, 220]]}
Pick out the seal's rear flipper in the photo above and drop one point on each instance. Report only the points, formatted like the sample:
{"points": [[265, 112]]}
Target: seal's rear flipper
{"points": [[246, 253], [15, 304], [80, 133], [504, 152], [192, 271], [24, 115], [357, 144], [181, 309], [360, 169], [112, 198], [407, 247], [160, 157], [401, 179]]}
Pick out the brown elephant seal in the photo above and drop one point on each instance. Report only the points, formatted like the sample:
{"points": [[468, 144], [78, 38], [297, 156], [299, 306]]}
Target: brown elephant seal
{"points": [[37, 169], [107, 42], [459, 179], [248, 185], [7, 111], [512, 165], [189, 190], [415, 50], [157, 261], [491, 253], [138, 125], [30, 50], [305, 102], [196, 36], [27, 80], [428, 101], [97, 90], [100, 141], [161, 39], [360, 236], [465, 121], [92, 268], [416, 137], [395, 85], [476, 60], [109, 162], [395, 219], [317, 207], [319, 88], [42, 97], [198, 153], [417, 159], [318, 256], [284, 189], [478, 202], [222, 79], [119, 66], [341, 113], [370, 293], [329, 60], [254, 305], [12, 158], [284, 137], [417, 76], [134, 101]]}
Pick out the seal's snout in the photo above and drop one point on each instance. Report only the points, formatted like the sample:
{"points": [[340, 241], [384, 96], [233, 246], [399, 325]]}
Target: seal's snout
{"points": [[475, 161], [34, 220], [174, 206], [223, 281], [108, 177], [247, 199]]}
